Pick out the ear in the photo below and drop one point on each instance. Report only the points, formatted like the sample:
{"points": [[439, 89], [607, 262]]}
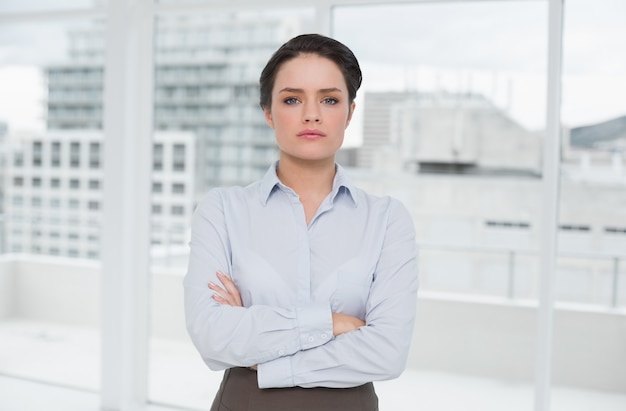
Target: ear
{"points": [[268, 117], [350, 113]]}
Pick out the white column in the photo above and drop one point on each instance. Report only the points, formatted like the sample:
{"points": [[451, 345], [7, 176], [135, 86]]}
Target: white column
{"points": [[550, 208], [126, 205], [323, 18]]}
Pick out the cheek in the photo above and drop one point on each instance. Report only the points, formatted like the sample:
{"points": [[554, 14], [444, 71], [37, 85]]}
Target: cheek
{"points": [[281, 120]]}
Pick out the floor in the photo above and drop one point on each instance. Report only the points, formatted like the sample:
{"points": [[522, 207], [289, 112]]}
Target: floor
{"points": [[55, 368], [413, 391]]}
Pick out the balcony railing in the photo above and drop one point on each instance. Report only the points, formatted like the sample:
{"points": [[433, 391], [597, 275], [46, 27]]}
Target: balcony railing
{"points": [[615, 260]]}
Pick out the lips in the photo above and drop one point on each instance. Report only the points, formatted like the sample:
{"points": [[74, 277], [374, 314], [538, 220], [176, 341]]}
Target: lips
{"points": [[311, 134]]}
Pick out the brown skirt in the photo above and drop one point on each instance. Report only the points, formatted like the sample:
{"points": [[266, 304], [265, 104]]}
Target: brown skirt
{"points": [[239, 391]]}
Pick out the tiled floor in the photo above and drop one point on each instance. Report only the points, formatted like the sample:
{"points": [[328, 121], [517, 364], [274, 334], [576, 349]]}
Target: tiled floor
{"points": [[32, 354]]}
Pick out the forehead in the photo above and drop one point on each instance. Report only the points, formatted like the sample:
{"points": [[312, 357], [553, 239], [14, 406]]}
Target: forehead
{"points": [[309, 71]]}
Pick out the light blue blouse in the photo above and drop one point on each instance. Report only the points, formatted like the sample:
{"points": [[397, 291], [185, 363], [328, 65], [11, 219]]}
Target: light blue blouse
{"points": [[357, 256]]}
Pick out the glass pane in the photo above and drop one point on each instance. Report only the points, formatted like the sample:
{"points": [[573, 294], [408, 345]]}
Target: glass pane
{"points": [[49, 281], [592, 227], [46, 5], [209, 131], [452, 119], [455, 116]]}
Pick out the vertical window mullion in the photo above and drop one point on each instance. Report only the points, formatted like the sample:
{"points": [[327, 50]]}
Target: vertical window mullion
{"points": [[550, 208], [126, 204]]}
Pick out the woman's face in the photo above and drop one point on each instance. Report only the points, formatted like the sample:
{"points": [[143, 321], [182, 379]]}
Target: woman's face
{"points": [[310, 108]]}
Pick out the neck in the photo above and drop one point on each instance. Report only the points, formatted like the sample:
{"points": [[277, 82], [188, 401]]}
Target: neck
{"points": [[307, 178]]}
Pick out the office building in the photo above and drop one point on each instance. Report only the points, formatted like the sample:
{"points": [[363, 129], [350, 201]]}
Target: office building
{"points": [[53, 192]]}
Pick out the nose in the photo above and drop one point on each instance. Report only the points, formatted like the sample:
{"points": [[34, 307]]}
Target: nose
{"points": [[311, 114]]}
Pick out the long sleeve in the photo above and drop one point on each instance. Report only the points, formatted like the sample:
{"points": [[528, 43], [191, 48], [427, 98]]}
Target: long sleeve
{"points": [[240, 336], [377, 351]]}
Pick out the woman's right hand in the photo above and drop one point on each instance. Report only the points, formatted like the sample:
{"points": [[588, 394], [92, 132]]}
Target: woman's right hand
{"points": [[344, 323]]}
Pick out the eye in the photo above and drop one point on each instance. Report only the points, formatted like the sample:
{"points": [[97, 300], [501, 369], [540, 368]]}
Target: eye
{"points": [[330, 100], [290, 100]]}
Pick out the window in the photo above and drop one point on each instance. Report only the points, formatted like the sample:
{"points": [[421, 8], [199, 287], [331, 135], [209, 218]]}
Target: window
{"points": [[47, 87], [18, 181], [575, 228], [221, 65], [37, 153], [94, 205], [74, 183], [157, 157], [73, 203], [178, 188], [75, 154], [507, 224], [178, 210], [157, 187], [178, 162], [157, 209], [18, 159], [94, 184], [55, 155], [94, 155], [93, 254]]}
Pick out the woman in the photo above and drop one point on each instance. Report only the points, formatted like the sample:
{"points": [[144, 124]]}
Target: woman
{"points": [[302, 286]]}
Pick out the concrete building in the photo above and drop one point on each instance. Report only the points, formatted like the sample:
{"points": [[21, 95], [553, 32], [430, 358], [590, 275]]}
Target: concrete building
{"points": [[471, 178], [53, 192], [445, 133]]}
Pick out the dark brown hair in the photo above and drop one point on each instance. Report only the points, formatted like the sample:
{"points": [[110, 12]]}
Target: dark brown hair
{"points": [[317, 44]]}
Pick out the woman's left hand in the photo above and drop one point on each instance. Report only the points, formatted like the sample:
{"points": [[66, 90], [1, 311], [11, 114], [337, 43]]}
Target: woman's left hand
{"points": [[228, 294]]}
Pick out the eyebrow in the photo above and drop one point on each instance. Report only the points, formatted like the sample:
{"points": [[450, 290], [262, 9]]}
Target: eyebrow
{"points": [[299, 90]]}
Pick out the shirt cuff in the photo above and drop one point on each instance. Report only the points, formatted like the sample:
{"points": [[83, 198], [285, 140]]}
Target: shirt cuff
{"points": [[315, 324], [275, 373]]}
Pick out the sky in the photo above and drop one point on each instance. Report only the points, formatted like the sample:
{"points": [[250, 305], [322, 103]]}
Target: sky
{"points": [[498, 49]]}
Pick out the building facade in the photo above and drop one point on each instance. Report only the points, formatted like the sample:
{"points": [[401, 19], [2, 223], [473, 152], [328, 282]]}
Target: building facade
{"points": [[53, 192]]}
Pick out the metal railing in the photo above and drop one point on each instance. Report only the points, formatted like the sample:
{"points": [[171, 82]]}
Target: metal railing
{"points": [[512, 253]]}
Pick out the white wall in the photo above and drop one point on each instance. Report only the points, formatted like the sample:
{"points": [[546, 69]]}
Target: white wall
{"points": [[493, 337], [7, 288]]}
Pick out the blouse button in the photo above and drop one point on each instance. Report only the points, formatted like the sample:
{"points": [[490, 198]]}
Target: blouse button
{"points": [[281, 352], [324, 336], [311, 339]]}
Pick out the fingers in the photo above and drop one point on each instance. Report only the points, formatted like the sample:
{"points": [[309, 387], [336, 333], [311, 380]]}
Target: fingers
{"points": [[230, 287], [344, 323], [228, 294], [220, 295]]}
